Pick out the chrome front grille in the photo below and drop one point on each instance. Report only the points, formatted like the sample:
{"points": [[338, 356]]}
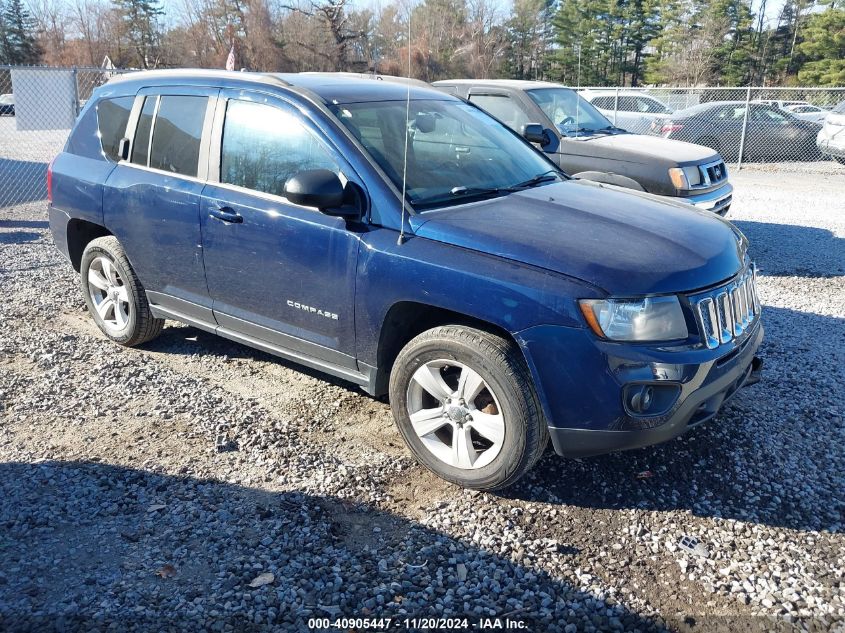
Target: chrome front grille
{"points": [[727, 312]]}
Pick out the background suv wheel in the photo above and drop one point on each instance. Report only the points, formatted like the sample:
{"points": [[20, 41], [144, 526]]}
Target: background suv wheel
{"points": [[114, 295], [465, 404]]}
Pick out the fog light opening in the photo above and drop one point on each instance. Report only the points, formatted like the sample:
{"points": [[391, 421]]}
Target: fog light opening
{"points": [[641, 399]]}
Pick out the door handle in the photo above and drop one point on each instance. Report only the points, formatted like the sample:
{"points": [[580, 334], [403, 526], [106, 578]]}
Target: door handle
{"points": [[226, 214]]}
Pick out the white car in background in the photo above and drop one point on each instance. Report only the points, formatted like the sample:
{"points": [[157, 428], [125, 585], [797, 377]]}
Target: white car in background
{"points": [[808, 112], [633, 110], [831, 138]]}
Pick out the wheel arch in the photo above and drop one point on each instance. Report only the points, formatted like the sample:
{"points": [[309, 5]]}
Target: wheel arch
{"points": [[407, 319], [80, 233]]}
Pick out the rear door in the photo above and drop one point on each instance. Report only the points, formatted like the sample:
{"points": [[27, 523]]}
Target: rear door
{"points": [[277, 272], [151, 200]]}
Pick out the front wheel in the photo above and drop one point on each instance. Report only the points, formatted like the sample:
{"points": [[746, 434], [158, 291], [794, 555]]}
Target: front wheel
{"points": [[114, 294], [464, 402]]}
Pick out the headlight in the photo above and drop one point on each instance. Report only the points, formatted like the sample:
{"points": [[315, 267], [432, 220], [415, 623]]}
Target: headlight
{"points": [[648, 319], [685, 177]]}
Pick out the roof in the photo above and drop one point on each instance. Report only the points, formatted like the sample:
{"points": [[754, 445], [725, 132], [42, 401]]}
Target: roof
{"points": [[516, 84], [359, 87], [611, 92], [330, 87]]}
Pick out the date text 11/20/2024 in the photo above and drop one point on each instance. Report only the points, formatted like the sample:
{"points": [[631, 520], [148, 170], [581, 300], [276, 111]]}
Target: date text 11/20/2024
{"points": [[417, 624]]}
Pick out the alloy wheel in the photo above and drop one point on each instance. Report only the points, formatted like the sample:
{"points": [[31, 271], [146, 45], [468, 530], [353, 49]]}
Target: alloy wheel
{"points": [[455, 414], [109, 294]]}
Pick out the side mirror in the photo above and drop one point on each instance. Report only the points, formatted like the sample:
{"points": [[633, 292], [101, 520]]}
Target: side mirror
{"points": [[534, 133], [319, 188], [123, 149]]}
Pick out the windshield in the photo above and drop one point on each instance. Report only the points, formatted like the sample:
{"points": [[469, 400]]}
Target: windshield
{"points": [[456, 153], [572, 114]]}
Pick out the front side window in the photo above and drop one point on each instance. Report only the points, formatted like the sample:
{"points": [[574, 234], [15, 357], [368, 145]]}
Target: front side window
{"points": [[263, 146], [112, 117], [503, 108], [572, 114], [177, 134], [141, 144], [456, 152]]}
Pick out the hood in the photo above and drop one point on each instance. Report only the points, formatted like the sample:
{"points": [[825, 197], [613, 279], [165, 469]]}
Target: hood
{"points": [[639, 148], [624, 242]]}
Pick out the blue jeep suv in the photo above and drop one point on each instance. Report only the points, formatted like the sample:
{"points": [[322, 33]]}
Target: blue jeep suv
{"points": [[401, 239]]}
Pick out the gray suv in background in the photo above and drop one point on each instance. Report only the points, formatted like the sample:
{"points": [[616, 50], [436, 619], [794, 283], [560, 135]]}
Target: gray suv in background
{"points": [[587, 145]]}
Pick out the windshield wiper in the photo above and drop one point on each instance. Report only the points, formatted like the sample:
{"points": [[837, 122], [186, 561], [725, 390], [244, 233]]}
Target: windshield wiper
{"points": [[611, 129], [551, 174], [463, 193], [579, 130]]}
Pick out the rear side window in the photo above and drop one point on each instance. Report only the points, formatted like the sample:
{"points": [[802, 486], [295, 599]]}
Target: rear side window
{"points": [[112, 117], [264, 145], [177, 134], [141, 144]]}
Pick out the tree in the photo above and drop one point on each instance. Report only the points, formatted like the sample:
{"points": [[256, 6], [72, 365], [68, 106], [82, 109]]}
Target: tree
{"points": [[334, 17], [17, 35], [140, 21], [529, 33], [822, 49]]}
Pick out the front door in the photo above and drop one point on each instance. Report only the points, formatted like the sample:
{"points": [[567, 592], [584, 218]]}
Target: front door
{"points": [[277, 272]]}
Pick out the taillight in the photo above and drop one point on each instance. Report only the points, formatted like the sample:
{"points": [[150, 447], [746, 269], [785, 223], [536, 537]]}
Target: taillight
{"points": [[50, 181], [670, 127]]}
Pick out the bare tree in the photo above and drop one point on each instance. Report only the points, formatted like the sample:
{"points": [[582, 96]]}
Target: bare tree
{"points": [[334, 16]]}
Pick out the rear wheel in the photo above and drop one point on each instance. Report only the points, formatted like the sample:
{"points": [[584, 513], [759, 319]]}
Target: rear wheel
{"points": [[114, 295], [464, 402]]}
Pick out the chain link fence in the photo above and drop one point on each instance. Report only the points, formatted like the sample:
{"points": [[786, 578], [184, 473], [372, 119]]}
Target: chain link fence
{"points": [[38, 106], [794, 129]]}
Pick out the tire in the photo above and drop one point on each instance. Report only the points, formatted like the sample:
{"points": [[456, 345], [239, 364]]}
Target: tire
{"points": [[501, 415], [115, 297]]}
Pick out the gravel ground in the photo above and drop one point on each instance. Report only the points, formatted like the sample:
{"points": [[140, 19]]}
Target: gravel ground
{"points": [[147, 489]]}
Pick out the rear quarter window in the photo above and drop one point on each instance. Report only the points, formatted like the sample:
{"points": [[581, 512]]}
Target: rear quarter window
{"points": [[112, 117]]}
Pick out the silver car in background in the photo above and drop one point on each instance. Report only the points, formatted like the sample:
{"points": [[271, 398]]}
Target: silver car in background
{"points": [[808, 112], [631, 110], [831, 138]]}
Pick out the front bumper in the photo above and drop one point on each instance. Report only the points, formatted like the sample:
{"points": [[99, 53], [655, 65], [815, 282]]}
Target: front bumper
{"points": [[586, 406], [718, 201]]}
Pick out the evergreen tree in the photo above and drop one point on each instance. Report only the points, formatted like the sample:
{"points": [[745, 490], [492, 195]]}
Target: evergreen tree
{"points": [[822, 49], [140, 21], [17, 35], [529, 34]]}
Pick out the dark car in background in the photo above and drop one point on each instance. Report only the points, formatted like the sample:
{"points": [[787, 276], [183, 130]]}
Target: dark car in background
{"points": [[498, 303], [7, 104], [585, 144], [770, 134]]}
